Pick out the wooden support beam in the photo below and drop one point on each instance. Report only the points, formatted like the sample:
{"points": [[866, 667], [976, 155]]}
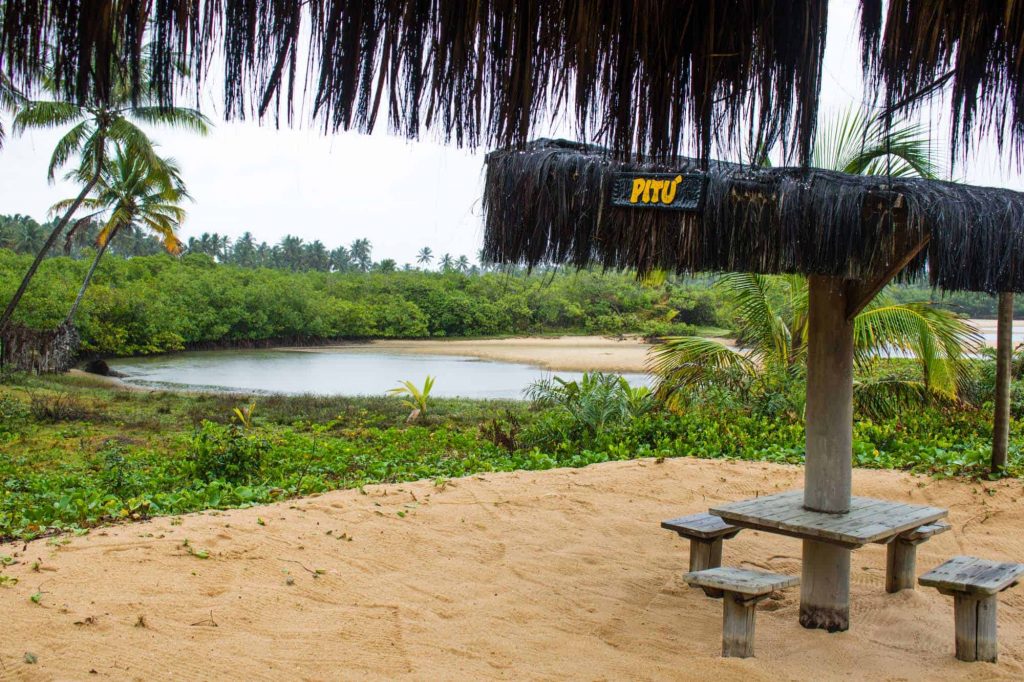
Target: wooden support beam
{"points": [[864, 292], [828, 472], [1004, 373]]}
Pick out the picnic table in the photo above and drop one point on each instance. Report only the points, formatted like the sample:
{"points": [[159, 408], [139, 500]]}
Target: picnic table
{"points": [[867, 521]]}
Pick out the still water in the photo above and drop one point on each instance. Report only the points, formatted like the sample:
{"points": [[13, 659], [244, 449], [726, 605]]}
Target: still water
{"points": [[336, 372]]}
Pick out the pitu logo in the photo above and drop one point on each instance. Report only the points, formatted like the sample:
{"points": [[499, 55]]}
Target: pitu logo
{"points": [[654, 191]]}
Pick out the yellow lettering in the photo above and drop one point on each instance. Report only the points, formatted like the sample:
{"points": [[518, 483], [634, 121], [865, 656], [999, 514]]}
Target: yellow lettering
{"points": [[647, 191], [656, 188], [668, 193], [638, 188]]}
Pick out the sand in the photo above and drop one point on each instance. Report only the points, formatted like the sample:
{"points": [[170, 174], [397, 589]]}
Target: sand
{"points": [[566, 353], [549, 575]]}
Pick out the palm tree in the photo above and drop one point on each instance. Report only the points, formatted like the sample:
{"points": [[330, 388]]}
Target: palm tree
{"points": [[93, 128], [425, 256], [462, 264], [447, 262], [292, 252], [340, 260], [772, 316], [772, 312], [387, 265], [132, 193], [361, 251]]}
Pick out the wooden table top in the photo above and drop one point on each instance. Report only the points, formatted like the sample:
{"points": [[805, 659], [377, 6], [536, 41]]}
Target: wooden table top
{"points": [[869, 520]]}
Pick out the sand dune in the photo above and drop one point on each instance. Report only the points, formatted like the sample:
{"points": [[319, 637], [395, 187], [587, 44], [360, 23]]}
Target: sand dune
{"points": [[552, 575]]}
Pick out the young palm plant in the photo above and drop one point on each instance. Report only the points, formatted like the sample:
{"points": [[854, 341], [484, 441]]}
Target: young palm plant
{"points": [[132, 193], [93, 128], [772, 311], [771, 346]]}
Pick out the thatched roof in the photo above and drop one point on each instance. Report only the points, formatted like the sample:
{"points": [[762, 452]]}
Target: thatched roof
{"points": [[971, 49], [549, 204], [652, 75]]}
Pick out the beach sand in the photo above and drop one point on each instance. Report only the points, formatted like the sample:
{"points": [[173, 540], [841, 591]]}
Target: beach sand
{"points": [[552, 575], [567, 353]]}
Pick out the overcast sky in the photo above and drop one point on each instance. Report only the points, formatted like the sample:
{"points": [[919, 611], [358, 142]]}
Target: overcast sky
{"points": [[401, 195]]}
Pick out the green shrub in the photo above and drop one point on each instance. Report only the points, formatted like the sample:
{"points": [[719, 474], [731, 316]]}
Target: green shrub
{"points": [[226, 453]]}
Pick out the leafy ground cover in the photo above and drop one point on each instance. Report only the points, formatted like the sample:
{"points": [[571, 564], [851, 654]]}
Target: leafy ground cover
{"points": [[75, 452]]}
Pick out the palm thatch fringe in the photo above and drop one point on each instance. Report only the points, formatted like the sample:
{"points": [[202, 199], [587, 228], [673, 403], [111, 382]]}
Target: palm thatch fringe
{"points": [[973, 50], [649, 75], [549, 204]]}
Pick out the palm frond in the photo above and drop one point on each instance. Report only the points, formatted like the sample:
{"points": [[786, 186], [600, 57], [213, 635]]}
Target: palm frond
{"points": [[45, 114], [761, 327], [182, 118], [682, 362], [885, 397], [69, 145]]}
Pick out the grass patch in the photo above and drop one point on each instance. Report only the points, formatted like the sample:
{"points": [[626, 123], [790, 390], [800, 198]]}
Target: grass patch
{"points": [[97, 454]]}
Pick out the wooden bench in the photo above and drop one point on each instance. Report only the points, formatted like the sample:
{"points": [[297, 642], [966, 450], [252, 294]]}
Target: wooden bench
{"points": [[974, 585], [901, 555], [742, 589], [705, 533]]}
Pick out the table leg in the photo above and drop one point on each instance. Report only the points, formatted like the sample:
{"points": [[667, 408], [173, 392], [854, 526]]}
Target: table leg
{"points": [[900, 565], [825, 587]]}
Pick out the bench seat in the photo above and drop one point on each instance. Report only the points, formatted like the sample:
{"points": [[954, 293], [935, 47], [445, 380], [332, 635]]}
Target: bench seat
{"points": [[705, 533], [974, 585], [741, 590]]}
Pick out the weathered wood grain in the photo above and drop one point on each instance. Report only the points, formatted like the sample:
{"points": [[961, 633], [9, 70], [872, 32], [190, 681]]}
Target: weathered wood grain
{"points": [[741, 581], [704, 526], [869, 520], [973, 575]]}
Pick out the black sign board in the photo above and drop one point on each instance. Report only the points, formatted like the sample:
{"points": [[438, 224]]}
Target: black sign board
{"points": [[670, 191]]}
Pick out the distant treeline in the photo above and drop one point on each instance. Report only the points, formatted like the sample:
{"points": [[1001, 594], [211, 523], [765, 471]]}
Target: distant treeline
{"points": [[153, 304], [23, 234]]}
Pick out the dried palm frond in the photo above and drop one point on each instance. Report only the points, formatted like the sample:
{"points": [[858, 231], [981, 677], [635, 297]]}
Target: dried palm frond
{"points": [[638, 75]]}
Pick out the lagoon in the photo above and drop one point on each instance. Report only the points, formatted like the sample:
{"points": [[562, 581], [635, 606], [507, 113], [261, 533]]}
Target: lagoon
{"points": [[341, 371]]}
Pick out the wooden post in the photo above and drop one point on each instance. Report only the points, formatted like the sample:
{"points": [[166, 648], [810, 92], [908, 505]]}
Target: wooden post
{"points": [[825, 589], [1004, 370], [705, 554], [975, 618], [900, 565], [738, 626]]}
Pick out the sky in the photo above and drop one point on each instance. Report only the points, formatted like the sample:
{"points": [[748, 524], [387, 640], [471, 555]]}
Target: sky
{"points": [[401, 195]]}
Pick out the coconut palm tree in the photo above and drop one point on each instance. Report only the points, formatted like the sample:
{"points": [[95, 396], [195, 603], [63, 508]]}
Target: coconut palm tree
{"points": [[361, 253], [772, 312], [425, 256], [447, 262], [132, 193], [462, 264], [93, 128]]}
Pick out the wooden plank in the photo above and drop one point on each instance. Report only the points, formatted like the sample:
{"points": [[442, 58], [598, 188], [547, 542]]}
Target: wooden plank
{"points": [[741, 581], [973, 575], [704, 526]]}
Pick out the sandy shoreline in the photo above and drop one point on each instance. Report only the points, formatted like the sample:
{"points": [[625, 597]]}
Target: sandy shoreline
{"points": [[562, 574], [567, 353]]}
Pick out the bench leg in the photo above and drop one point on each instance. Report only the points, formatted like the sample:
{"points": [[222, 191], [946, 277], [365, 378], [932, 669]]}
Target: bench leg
{"points": [[737, 626], [825, 587], [975, 627], [900, 565], [705, 554]]}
